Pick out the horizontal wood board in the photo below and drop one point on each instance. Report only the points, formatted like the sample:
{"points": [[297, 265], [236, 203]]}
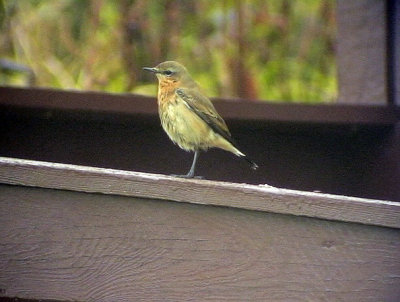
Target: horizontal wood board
{"points": [[251, 197], [75, 246]]}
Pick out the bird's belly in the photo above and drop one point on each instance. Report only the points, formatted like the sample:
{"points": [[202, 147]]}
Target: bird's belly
{"points": [[185, 128]]}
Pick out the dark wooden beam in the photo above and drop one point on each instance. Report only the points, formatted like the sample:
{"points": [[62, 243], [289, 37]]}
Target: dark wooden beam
{"points": [[99, 102]]}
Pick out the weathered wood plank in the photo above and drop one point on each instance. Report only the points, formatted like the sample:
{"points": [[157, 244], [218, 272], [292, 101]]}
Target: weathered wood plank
{"points": [[76, 246], [361, 51], [251, 197]]}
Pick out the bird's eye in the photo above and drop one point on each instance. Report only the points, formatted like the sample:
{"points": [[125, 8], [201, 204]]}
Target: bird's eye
{"points": [[168, 72]]}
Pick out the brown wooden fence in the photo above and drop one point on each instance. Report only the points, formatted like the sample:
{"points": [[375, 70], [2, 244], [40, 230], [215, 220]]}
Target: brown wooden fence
{"points": [[72, 230]]}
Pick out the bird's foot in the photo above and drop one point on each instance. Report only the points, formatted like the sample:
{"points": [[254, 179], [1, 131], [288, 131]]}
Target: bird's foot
{"points": [[187, 176]]}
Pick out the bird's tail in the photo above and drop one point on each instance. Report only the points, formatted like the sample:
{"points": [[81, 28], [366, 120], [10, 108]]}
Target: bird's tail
{"points": [[253, 165], [231, 146]]}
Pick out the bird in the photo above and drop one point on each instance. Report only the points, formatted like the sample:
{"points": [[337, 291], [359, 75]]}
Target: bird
{"points": [[188, 116]]}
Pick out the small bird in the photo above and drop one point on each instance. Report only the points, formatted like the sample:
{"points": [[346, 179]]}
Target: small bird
{"points": [[188, 116]]}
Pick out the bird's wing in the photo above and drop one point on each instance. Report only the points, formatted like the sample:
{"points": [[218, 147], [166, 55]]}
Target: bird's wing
{"points": [[203, 107]]}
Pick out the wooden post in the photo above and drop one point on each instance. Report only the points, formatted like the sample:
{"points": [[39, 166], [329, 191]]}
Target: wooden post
{"points": [[362, 51]]}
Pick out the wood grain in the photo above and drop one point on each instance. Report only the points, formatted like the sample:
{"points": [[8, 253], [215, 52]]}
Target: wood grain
{"points": [[361, 52], [76, 246], [251, 197]]}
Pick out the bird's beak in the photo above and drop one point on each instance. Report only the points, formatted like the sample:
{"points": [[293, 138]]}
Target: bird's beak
{"points": [[154, 70]]}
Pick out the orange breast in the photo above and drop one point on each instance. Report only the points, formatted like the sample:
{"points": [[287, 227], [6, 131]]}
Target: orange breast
{"points": [[166, 91]]}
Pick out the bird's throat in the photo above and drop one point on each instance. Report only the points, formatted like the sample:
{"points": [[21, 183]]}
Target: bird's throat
{"points": [[166, 89]]}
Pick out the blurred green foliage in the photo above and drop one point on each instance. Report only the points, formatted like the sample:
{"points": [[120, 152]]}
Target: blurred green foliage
{"points": [[278, 50]]}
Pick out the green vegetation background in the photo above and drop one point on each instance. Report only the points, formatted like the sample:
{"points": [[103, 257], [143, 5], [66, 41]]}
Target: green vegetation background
{"points": [[279, 50]]}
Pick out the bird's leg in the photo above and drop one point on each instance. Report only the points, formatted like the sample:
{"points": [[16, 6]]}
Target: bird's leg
{"points": [[190, 174]]}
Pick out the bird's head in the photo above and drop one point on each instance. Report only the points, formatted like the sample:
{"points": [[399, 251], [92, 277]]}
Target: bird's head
{"points": [[171, 71]]}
